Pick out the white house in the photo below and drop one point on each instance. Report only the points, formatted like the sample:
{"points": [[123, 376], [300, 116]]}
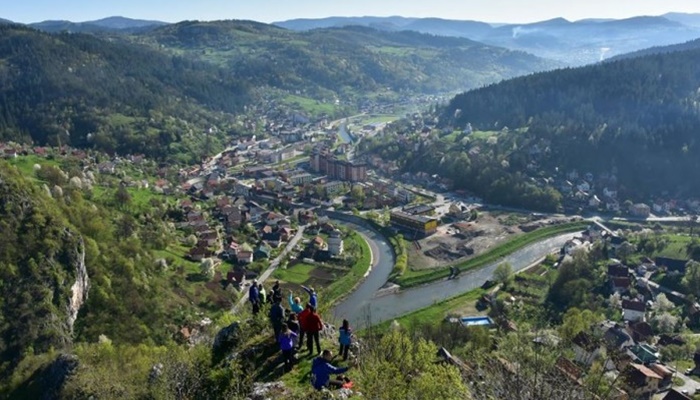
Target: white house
{"points": [[335, 243], [633, 310]]}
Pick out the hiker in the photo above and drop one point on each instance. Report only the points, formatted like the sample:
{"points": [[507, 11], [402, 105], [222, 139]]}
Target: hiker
{"points": [[302, 323], [293, 325], [313, 297], [313, 326], [276, 292], [345, 339], [254, 297], [321, 371], [295, 304], [263, 294], [277, 318], [286, 341]]}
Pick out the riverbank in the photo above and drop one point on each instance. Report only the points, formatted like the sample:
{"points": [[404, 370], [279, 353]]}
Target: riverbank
{"points": [[416, 278]]}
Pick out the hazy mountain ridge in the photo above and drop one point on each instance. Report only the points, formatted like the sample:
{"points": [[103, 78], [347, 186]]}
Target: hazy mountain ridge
{"points": [[337, 61], [109, 24], [576, 43]]}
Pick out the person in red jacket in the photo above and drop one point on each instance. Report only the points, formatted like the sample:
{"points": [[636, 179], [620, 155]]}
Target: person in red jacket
{"points": [[313, 326], [302, 323]]}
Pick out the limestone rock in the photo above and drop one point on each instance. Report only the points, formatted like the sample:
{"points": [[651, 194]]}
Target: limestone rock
{"points": [[269, 391]]}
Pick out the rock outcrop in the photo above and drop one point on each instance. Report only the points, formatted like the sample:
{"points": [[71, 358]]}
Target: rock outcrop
{"points": [[81, 286]]}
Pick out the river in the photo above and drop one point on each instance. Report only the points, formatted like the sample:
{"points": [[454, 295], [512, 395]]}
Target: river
{"points": [[365, 306]]}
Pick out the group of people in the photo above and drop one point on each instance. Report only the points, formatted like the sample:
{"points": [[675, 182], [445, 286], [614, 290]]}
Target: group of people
{"points": [[257, 296], [291, 326]]}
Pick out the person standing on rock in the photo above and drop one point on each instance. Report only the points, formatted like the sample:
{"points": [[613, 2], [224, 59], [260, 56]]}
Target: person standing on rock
{"points": [[263, 294], [254, 297], [313, 326], [277, 318], [286, 340], [295, 303], [276, 292], [345, 339], [302, 323], [313, 297], [293, 325]]}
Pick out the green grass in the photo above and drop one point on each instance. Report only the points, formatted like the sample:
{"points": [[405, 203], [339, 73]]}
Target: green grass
{"points": [[415, 278], [676, 247], [311, 106], [347, 282], [299, 273], [462, 303], [25, 164]]}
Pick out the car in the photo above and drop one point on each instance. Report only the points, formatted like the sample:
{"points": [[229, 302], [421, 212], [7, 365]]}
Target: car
{"points": [[689, 371], [684, 391]]}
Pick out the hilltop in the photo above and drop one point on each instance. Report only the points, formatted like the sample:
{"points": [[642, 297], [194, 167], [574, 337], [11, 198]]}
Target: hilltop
{"points": [[343, 62], [84, 91], [635, 119], [572, 42]]}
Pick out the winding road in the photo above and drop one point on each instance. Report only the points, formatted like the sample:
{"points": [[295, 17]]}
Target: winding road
{"points": [[365, 306]]}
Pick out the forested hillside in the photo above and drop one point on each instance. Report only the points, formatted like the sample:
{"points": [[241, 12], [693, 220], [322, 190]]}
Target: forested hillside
{"points": [[343, 62], [80, 90], [637, 118], [74, 269]]}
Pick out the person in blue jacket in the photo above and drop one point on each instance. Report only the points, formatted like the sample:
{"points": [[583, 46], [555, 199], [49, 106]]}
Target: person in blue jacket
{"points": [[313, 297], [295, 303], [322, 369], [345, 339]]}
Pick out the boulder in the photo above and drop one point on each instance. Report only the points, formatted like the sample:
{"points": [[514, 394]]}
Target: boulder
{"points": [[226, 339], [269, 391]]}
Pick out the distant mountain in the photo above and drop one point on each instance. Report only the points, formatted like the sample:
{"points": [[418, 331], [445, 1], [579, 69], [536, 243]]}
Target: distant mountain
{"points": [[120, 23], [635, 118], [690, 45], [6, 21], [343, 62], [575, 43], [685, 19], [81, 90], [110, 24]]}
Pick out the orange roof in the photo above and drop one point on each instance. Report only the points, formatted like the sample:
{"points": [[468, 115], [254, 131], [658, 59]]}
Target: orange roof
{"points": [[646, 371]]}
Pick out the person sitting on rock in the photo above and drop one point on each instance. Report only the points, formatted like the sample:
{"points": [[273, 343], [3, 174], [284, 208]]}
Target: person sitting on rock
{"points": [[322, 369], [313, 297]]}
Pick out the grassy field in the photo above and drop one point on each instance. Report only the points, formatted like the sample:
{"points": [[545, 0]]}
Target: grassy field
{"points": [[414, 278], [463, 305], [676, 247], [299, 273], [26, 164], [311, 106]]}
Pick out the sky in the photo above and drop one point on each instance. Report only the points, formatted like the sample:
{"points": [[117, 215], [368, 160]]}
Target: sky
{"points": [[512, 11]]}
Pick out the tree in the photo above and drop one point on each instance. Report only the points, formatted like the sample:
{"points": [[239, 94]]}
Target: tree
{"points": [[208, 268], [357, 193], [122, 197], [691, 280], [625, 250], [665, 322], [503, 274], [663, 304], [575, 321]]}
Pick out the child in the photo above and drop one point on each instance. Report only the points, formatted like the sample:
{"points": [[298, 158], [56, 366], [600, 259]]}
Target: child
{"points": [[345, 339]]}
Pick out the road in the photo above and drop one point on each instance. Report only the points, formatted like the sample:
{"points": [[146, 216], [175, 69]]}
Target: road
{"points": [[366, 307], [273, 264]]}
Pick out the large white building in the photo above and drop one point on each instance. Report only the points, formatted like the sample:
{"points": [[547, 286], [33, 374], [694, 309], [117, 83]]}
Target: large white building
{"points": [[335, 243]]}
